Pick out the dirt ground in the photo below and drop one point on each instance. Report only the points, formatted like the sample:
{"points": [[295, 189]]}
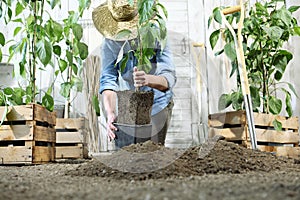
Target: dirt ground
{"points": [[215, 170]]}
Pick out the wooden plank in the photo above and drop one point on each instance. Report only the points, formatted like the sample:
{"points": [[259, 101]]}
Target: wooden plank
{"points": [[44, 115], [231, 134], [69, 137], [28, 113], [263, 119], [43, 154], [15, 155], [70, 123], [290, 152], [44, 134], [231, 118], [16, 132], [272, 136], [68, 152]]}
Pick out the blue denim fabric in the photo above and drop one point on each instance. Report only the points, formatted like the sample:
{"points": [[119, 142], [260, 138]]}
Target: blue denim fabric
{"points": [[111, 77]]}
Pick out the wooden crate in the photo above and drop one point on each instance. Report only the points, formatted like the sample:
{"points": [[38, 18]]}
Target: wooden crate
{"points": [[234, 127], [27, 135], [70, 138]]}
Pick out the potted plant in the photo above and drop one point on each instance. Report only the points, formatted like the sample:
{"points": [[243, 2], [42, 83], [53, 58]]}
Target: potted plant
{"points": [[43, 43], [267, 28]]}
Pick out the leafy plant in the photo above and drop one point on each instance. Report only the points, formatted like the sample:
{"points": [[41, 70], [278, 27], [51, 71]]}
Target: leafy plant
{"points": [[267, 28], [151, 30], [44, 43]]}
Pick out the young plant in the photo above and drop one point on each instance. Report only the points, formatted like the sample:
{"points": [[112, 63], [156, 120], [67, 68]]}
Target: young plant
{"points": [[151, 32], [44, 43], [266, 29]]}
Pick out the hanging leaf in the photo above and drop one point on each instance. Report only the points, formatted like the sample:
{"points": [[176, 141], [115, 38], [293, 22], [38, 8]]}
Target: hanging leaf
{"points": [[95, 103], [65, 89], [44, 51], [2, 39], [277, 125], [48, 102], [213, 39], [275, 105], [224, 101], [229, 50], [83, 50], [77, 31]]}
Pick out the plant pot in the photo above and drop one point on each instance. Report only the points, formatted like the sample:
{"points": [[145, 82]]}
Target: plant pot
{"points": [[134, 108], [234, 127], [27, 135]]}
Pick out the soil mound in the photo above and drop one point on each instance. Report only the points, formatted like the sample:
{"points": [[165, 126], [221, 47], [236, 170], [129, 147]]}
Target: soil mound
{"points": [[150, 160]]}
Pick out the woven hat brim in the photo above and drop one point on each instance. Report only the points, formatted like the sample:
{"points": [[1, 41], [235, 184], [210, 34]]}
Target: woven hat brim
{"points": [[109, 27]]}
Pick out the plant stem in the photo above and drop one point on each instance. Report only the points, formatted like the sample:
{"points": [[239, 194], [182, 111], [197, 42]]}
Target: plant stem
{"points": [[33, 79]]}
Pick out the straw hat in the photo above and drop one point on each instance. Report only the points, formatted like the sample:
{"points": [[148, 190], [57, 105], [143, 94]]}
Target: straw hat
{"points": [[115, 15]]}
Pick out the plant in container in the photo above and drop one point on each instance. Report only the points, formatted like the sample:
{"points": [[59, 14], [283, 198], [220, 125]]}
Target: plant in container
{"points": [[39, 43], [267, 28]]}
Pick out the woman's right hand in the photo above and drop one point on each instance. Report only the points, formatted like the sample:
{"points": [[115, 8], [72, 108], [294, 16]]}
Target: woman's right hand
{"points": [[110, 127]]}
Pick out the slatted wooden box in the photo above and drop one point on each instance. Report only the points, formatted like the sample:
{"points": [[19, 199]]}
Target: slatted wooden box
{"points": [[27, 135], [234, 127], [71, 138]]}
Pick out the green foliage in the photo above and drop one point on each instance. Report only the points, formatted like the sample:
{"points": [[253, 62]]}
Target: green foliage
{"points": [[43, 43], [151, 30], [267, 28]]}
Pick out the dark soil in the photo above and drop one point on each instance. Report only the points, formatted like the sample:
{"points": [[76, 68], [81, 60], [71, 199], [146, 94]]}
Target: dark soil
{"points": [[151, 161], [215, 170], [134, 107]]}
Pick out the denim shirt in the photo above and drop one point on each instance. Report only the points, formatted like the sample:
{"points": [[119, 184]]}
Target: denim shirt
{"points": [[111, 77]]}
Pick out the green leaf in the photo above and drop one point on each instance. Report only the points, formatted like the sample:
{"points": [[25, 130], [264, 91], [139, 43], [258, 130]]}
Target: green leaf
{"points": [[0, 55], [213, 39], [57, 30], [44, 51], [74, 68], [125, 33], [124, 63], [17, 30], [62, 65], [255, 96], [274, 32], [292, 88], [229, 49], [8, 91], [224, 101], [48, 102], [65, 89], [237, 100], [275, 105], [2, 39], [277, 125], [293, 8], [77, 83], [288, 104], [19, 9], [83, 50], [78, 31], [284, 15], [54, 3], [95, 103], [57, 50], [297, 30], [217, 15], [69, 57], [163, 9]]}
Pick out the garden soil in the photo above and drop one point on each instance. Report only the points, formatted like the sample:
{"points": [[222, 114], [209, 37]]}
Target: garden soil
{"points": [[216, 170]]}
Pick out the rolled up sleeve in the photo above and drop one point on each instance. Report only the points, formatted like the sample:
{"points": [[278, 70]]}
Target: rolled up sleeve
{"points": [[109, 73], [166, 67]]}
